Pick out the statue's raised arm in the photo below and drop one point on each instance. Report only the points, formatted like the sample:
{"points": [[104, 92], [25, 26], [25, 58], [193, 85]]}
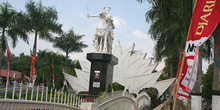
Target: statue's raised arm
{"points": [[90, 16]]}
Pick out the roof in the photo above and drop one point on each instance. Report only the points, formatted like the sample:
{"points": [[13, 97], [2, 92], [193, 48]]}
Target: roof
{"points": [[11, 74]]}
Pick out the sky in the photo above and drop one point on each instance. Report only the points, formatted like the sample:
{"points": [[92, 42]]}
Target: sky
{"points": [[128, 16]]}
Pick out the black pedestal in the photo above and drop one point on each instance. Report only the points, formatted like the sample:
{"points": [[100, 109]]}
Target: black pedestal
{"points": [[101, 71]]}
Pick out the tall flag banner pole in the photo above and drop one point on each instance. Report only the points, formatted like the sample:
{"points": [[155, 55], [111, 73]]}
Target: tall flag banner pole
{"points": [[205, 18], [34, 73], [53, 73], [178, 73], [8, 70], [8, 57], [178, 80]]}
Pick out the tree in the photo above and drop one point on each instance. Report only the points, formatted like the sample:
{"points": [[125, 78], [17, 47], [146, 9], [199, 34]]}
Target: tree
{"points": [[216, 82], [44, 68], [109, 88], [170, 22], [71, 65], [11, 26], [207, 81], [21, 64], [152, 92], [69, 42], [116, 86], [42, 21]]}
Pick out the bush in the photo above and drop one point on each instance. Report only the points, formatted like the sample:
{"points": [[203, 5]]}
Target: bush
{"points": [[135, 95], [109, 89], [9, 95], [83, 92]]}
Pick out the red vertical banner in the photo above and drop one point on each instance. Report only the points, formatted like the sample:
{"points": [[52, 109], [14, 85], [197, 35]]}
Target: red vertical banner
{"points": [[34, 73], [53, 74], [205, 18], [8, 57]]}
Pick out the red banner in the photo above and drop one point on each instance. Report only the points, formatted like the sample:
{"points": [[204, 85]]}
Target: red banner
{"points": [[53, 74], [8, 57], [205, 18], [34, 73]]}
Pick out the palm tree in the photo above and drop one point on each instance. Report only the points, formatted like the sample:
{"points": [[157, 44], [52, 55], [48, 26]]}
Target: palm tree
{"points": [[42, 21], [11, 26], [170, 22], [69, 42]]}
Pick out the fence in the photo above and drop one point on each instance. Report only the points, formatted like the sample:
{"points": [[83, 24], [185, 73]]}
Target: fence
{"points": [[35, 97]]}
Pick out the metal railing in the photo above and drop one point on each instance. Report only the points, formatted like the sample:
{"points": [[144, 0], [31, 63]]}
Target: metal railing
{"points": [[35, 97]]}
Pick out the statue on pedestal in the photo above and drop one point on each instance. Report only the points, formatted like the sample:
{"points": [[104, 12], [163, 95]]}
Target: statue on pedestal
{"points": [[103, 38]]}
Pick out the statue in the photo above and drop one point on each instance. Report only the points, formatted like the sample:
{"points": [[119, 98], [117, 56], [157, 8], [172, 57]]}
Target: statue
{"points": [[103, 38]]}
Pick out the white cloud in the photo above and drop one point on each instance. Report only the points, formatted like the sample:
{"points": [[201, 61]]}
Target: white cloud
{"points": [[73, 56], [81, 14], [118, 21], [141, 35]]}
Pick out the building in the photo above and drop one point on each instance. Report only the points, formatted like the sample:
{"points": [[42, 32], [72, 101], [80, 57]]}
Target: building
{"points": [[13, 75]]}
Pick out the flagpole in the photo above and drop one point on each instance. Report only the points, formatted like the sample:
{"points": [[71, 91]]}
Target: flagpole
{"points": [[182, 64], [8, 69], [53, 73], [178, 82]]}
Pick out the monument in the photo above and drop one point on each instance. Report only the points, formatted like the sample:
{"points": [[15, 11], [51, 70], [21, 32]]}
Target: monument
{"points": [[102, 61], [132, 65]]}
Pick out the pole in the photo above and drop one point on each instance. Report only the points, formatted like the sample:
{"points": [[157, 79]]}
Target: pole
{"points": [[181, 68], [178, 82], [31, 69]]}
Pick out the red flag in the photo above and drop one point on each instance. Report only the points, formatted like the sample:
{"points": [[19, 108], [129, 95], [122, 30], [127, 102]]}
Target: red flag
{"points": [[205, 18], [53, 74], [8, 57], [34, 73]]}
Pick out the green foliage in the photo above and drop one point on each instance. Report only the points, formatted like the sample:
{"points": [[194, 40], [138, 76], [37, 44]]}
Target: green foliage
{"points": [[43, 67], [102, 94], [9, 95], [109, 88], [72, 64], [11, 27], [42, 21], [170, 22], [69, 42], [169, 29], [135, 95], [163, 76], [152, 92], [207, 81], [65, 89], [171, 64], [117, 86], [21, 63]]}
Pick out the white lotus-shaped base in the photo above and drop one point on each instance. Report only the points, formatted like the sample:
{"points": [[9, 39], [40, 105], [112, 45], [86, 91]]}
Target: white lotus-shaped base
{"points": [[132, 71]]}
